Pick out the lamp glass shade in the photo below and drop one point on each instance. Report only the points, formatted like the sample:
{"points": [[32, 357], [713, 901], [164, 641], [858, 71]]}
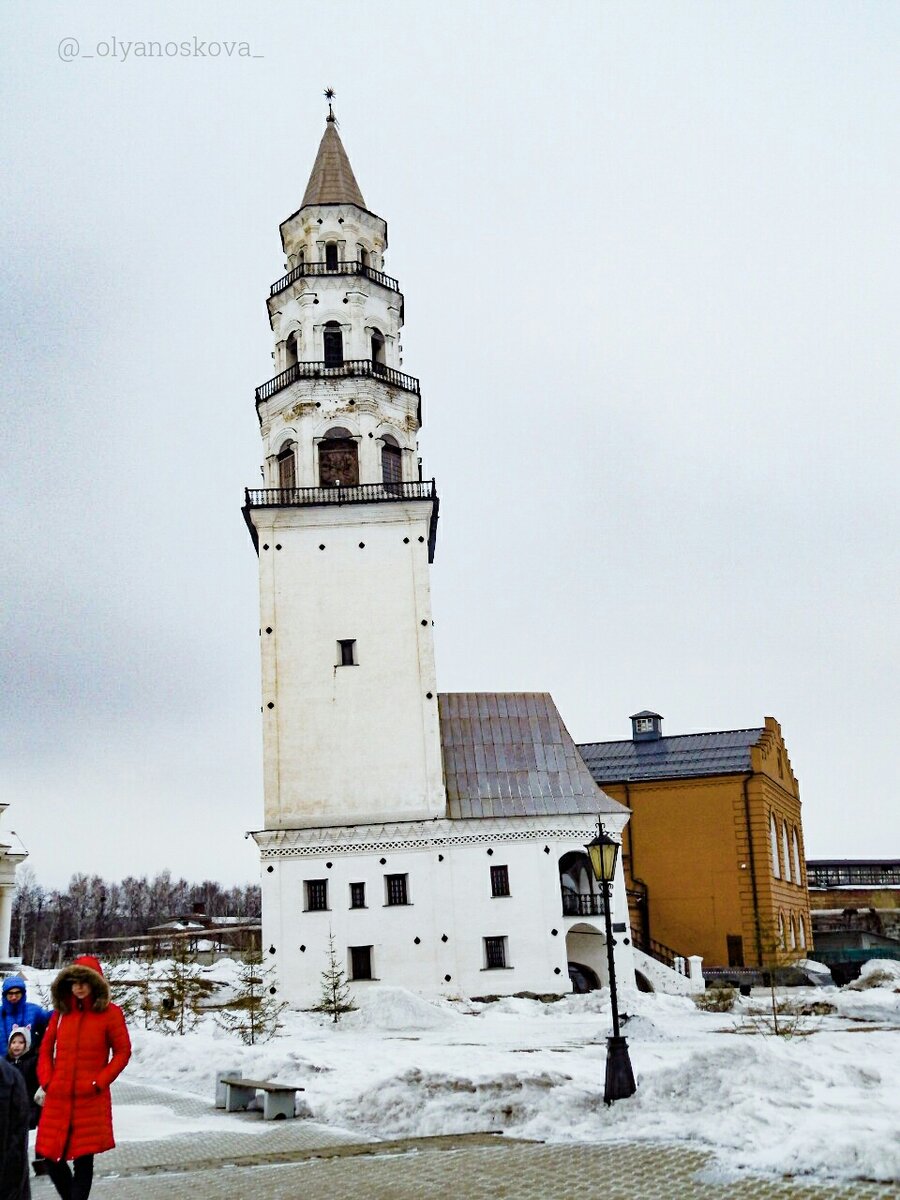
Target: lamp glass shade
{"points": [[603, 853]]}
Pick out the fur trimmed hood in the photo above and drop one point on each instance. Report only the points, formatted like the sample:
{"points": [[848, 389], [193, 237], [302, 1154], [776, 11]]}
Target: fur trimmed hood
{"points": [[80, 972]]}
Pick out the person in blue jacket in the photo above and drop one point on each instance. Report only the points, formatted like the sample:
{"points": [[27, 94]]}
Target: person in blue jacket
{"points": [[16, 1010]]}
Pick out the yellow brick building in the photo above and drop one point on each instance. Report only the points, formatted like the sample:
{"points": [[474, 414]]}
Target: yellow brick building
{"points": [[713, 852]]}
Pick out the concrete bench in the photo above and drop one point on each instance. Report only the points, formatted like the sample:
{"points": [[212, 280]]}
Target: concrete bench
{"points": [[278, 1098]]}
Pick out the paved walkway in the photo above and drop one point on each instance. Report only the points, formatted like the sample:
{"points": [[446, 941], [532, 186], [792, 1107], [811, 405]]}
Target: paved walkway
{"points": [[236, 1156]]}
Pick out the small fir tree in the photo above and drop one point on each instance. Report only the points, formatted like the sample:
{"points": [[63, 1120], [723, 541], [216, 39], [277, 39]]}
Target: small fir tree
{"points": [[182, 989], [335, 988], [781, 1018], [254, 1012], [126, 991]]}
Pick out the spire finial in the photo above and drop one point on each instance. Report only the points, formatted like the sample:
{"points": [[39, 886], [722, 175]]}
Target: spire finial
{"points": [[329, 96]]}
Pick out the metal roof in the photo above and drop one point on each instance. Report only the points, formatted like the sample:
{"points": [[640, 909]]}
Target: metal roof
{"points": [[681, 757], [331, 180], [508, 754]]}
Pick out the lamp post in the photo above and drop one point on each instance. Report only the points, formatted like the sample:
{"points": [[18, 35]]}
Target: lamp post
{"points": [[603, 852]]}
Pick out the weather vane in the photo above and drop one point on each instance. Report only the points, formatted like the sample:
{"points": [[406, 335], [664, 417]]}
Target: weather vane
{"points": [[329, 96]]}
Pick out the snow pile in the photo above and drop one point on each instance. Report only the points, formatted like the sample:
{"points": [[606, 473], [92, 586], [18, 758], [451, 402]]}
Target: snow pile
{"points": [[822, 1103], [391, 1009], [877, 972]]}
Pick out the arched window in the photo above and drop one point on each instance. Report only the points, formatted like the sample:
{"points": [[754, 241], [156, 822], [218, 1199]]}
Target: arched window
{"points": [[786, 851], [781, 939], [338, 459], [331, 256], [798, 878], [391, 460], [291, 350], [377, 349], [301, 258], [802, 925], [773, 835], [333, 344], [793, 930], [363, 254], [287, 466]]}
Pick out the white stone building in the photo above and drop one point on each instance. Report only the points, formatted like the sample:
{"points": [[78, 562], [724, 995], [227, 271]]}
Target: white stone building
{"points": [[9, 860], [438, 838]]}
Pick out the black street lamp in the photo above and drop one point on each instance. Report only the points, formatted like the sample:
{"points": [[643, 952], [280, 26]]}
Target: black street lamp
{"points": [[603, 852]]}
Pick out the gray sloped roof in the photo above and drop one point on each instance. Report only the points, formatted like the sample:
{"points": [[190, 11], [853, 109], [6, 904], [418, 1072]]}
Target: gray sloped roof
{"points": [[331, 180], [681, 757], [508, 754]]}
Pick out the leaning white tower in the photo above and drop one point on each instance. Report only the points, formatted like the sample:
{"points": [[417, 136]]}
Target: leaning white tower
{"points": [[345, 532], [344, 528]]}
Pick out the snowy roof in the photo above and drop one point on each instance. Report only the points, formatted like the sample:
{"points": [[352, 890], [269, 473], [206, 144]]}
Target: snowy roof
{"points": [[508, 754], [331, 180], [681, 757]]}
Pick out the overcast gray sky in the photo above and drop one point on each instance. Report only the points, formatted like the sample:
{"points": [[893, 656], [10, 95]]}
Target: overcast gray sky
{"points": [[649, 253]]}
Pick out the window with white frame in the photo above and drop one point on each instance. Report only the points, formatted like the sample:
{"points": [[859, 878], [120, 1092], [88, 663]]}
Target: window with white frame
{"points": [[786, 851], [396, 890], [773, 835], [316, 895], [798, 878], [495, 953], [802, 932]]}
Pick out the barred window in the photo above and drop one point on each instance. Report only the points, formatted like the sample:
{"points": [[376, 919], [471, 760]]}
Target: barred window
{"points": [[500, 881], [396, 889], [357, 895], [316, 894], [494, 952]]}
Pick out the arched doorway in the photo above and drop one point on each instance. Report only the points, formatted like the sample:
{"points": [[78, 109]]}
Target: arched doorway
{"points": [[576, 882], [586, 955]]}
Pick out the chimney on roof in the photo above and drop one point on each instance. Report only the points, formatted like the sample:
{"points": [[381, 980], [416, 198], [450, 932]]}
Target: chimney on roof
{"points": [[646, 726]]}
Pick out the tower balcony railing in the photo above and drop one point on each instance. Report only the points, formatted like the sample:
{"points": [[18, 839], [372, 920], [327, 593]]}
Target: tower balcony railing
{"points": [[582, 904], [355, 267], [350, 368], [359, 493]]}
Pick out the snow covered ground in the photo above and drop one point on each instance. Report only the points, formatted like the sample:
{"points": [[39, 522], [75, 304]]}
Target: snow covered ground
{"points": [[823, 1102]]}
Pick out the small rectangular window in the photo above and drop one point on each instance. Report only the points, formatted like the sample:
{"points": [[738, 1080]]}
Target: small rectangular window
{"points": [[357, 895], [500, 881], [360, 962], [643, 725], [316, 895], [494, 953], [331, 256], [396, 891], [347, 652]]}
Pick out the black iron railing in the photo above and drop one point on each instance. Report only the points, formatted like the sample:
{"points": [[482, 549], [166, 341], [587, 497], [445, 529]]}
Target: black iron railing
{"points": [[662, 953], [361, 493], [350, 368], [582, 904], [342, 268]]}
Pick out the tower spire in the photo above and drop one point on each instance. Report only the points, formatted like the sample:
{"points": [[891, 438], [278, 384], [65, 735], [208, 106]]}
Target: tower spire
{"points": [[331, 180]]}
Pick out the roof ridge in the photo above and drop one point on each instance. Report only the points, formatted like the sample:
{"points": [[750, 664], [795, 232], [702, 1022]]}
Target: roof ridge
{"points": [[671, 737]]}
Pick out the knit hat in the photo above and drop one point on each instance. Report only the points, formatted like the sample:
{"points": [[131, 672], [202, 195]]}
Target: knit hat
{"points": [[20, 1031]]}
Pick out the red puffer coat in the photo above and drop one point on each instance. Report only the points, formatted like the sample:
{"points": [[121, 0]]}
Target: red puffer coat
{"points": [[85, 1047]]}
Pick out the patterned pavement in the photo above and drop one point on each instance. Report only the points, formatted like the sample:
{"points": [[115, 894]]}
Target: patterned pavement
{"points": [[235, 1156]]}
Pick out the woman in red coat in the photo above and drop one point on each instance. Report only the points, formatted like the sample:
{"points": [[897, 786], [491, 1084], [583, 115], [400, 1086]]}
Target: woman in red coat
{"points": [[85, 1047]]}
